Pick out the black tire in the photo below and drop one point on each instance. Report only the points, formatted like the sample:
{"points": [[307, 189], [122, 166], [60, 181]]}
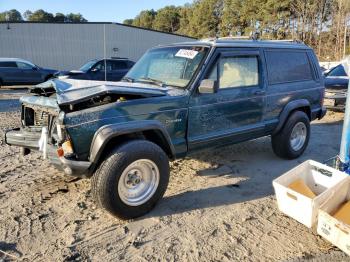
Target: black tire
{"points": [[281, 144], [106, 178]]}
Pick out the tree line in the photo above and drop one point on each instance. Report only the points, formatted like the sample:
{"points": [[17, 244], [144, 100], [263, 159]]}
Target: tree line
{"points": [[40, 16], [322, 24]]}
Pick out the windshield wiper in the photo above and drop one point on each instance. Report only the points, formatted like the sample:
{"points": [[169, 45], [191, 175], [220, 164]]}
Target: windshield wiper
{"points": [[152, 81], [128, 79]]}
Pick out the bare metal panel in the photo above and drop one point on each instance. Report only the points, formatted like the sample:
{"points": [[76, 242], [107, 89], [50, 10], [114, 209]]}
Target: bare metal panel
{"points": [[68, 46]]}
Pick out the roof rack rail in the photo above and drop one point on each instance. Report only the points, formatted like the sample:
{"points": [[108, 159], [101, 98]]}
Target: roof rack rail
{"points": [[287, 40], [235, 37]]}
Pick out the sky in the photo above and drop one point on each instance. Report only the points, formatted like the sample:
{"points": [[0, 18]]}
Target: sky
{"points": [[92, 10]]}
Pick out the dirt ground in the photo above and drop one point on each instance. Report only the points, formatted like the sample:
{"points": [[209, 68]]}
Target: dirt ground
{"points": [[219, 206]]}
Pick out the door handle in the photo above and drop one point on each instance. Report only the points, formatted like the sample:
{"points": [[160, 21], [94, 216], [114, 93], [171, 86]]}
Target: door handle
{"points": [[259, 92]]}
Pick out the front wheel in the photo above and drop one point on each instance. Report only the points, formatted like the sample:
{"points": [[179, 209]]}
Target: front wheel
{"points": [[131, 180], [291, 141]]}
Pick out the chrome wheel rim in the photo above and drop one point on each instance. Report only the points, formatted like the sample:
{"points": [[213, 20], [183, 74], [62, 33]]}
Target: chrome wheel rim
{"points": [[138, 182], [298, 136]]}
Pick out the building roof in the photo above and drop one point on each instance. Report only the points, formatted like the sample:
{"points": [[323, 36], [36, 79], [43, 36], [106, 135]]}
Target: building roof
{"points": [[106, 23]]}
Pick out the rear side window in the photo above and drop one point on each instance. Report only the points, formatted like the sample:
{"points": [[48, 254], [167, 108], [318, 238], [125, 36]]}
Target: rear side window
{"points": [[287, 66], [116, 65], [8, 64]]}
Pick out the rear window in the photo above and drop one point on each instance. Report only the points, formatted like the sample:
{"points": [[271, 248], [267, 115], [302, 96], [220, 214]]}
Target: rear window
{"points": [[8, 64], [287, 66]]}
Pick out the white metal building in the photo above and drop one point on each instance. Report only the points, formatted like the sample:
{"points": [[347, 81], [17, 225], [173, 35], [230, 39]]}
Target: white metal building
{"points": [[66, 46]]}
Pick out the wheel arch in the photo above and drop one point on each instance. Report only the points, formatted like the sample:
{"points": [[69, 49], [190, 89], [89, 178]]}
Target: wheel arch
{"points": [[300, 104], [109, 136]]}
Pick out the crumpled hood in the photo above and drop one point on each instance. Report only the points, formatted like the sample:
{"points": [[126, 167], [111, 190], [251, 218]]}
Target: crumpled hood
{"points": [[70, 91]]}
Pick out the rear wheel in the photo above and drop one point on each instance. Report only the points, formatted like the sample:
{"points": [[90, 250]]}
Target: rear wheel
{"points": [[291, 141], [131, 180]]}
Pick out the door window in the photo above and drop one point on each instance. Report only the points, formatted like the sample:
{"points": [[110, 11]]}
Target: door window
{"points": [[239, 71], [22, 65], [100, 66]]}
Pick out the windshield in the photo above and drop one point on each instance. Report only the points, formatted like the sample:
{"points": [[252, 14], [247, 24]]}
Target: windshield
{"points": [[174, 66], [87, 66], [337, 71]]}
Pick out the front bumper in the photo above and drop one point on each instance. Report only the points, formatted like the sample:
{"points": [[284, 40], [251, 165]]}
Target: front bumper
{"points": [[22, 138], [30, 140]]}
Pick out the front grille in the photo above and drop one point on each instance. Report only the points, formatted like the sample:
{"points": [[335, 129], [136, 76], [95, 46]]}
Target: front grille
{"points": [[41, 118], [34, 117]]}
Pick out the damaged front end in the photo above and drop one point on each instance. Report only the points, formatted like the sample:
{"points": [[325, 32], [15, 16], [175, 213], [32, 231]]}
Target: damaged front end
{"points": [[42, 129], [43, 117]]}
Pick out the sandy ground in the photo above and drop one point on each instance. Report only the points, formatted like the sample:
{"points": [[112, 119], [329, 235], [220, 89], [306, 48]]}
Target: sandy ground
{"points": [[219, 206]]}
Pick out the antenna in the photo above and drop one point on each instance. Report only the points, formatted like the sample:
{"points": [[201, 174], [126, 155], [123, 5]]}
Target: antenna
{"points": [[104, 50]]}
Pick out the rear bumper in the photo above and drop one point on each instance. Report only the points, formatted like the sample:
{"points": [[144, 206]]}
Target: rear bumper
{"points": [[322, 113], [319, 113], [30, 140]]}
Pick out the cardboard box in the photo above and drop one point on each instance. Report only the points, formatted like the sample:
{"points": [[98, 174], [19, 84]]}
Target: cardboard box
{"points": [[320, 179], [333, 216]]}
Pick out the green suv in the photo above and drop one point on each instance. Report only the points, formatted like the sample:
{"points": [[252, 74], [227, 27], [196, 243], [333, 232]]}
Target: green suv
{"points": [[176, 99]]}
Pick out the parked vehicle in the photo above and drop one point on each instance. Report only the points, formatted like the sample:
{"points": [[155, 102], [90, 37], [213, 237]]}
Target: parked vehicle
{"points": [[95, 70], [177, 99], [336, 83], [15, 71]]}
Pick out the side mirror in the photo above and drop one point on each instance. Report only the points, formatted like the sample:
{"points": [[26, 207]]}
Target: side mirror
{"points": [[34, 68], [95, 70], [208, 86]]}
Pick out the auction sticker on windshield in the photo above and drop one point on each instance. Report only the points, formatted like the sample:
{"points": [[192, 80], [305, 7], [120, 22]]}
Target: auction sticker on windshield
{"points": [[190, 54]]}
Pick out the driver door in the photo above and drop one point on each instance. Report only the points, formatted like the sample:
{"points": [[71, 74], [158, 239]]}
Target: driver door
{"points": [[235, 112]]}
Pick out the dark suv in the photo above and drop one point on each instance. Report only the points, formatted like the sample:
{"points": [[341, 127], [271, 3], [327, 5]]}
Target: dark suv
{"points": [[95, 70], [177, 99], [15, 71]]}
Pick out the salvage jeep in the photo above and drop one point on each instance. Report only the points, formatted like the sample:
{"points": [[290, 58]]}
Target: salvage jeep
{"points": [[177, 99]]}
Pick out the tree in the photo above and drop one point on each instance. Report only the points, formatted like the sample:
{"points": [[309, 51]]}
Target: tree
{"points": [[27, 14], [13, 16], [206, 18], [75, 18], [167, 19], [186, 14], [60, 18], [128, 21], [145, 19], [232, 22], [40, 16]]}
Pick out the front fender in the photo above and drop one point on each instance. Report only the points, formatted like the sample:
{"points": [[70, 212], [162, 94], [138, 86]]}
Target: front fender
{"points": [[300, 103], [106, 133]]}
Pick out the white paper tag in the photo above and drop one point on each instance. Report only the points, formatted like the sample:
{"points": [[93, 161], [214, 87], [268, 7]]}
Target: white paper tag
{"points": [[186, 53]]}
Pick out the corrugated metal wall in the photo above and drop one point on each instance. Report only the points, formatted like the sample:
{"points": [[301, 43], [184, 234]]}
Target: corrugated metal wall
{"points": [[68, 46]]}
